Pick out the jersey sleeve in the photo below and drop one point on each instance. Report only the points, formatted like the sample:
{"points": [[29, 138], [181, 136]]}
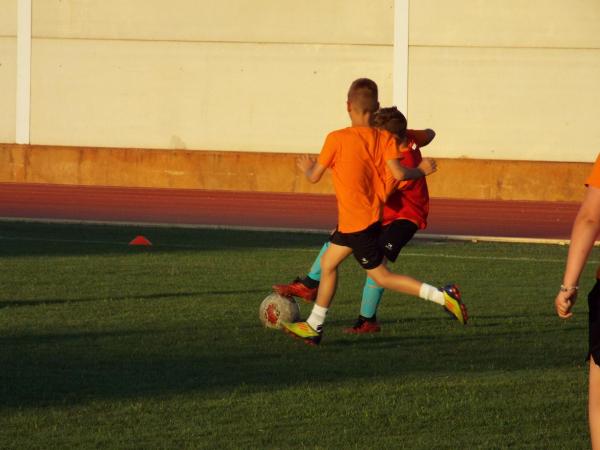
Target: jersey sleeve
{"points": [[330, 147], [594, 178]]}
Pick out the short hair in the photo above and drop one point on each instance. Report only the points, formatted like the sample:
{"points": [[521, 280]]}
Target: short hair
{"points": [[392, 120], [363, 93]]}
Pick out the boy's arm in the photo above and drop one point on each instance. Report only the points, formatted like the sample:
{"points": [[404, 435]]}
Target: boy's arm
{"points": [[427, 166], [311, 168], [583, 234], [421, 137]]}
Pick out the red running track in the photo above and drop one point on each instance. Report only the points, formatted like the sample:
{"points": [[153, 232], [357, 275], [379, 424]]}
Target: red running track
{"points": [[513, 219]]}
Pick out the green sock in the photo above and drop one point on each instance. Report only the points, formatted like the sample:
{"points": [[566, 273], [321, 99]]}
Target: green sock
{"points": [[315, 270], [372, 294]]}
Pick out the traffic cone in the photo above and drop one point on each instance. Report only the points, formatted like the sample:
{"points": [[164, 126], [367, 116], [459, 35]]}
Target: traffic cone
{"points": [[140, 240]]}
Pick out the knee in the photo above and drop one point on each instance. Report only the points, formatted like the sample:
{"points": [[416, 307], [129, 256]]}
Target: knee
{"points": [[327, 266], [372, 284], [379, 279]]}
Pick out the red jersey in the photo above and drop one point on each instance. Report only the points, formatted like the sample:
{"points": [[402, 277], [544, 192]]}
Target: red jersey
{"points": [[411, 201]]}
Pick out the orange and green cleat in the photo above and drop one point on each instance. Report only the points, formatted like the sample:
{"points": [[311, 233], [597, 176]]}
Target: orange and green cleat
{"points": [[453, 303], [303, 331]]}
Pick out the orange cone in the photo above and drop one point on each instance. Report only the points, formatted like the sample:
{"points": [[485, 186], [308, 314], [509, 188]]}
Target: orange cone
{"points": [[140, 240]]}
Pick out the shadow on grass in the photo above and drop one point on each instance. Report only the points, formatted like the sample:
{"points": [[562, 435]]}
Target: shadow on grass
{"points": [[71, 368], [37, 239], [156, 296]]}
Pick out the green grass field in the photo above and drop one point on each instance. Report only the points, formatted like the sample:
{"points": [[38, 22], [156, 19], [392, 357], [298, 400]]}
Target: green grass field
{"points": [[103, 345]]}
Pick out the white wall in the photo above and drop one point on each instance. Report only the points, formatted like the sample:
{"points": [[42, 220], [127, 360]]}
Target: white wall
{"points": [[507, 79], [250, 75], [499, 79], [8, 69]]}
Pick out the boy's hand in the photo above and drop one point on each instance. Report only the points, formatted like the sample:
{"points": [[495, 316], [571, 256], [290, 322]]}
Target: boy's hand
{"points": [[564, 303], [313, 171], [305, 163], [427, 166]]}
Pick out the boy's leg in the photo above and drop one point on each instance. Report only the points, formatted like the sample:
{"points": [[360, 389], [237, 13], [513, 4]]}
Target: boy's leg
{"points": [[310, 331], [392, 240], [367, 320], [594, 403], [305, 288], [400, 283], [332, 258], [594, 353], [449, 296], [371, 298], [315, 270]]}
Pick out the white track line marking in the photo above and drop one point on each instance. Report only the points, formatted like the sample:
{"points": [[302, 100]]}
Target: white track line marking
{"points": [[305, 250]]}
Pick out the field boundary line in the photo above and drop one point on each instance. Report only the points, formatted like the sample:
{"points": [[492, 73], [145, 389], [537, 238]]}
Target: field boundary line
{"points": [[426, 236]]}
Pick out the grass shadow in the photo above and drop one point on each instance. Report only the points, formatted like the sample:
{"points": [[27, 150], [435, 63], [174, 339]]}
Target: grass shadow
{"points": [[44, 369], [36, 239]]}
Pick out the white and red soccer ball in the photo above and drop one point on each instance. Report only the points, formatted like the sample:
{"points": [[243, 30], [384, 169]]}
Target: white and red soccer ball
{"points": [[276, 308]]}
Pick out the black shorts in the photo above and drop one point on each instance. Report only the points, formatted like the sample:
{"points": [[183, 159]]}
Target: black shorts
{"points": [[364, 244], [395, 236], [594, 322]]}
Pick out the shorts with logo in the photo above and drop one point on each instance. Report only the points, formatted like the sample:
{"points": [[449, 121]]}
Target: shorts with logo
{"points": [[364, 244], [395, 236]]}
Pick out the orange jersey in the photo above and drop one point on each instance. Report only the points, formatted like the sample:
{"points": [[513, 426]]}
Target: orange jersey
{"points": [[411, 200], [594, 178], [357, 157]]}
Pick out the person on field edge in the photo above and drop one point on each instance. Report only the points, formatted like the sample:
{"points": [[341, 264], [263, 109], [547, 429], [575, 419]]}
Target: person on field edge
{"points": [[585, 231]]}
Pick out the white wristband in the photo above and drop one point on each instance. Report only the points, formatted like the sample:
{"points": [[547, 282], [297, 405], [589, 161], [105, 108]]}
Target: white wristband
{"points": [[564, 288]]}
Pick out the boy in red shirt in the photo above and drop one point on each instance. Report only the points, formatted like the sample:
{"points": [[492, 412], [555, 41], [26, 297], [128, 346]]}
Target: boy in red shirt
{"points": [[363, 160], [404, 213]]}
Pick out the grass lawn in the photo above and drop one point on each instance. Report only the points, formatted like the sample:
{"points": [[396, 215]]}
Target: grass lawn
{"points": [[103, 345]]}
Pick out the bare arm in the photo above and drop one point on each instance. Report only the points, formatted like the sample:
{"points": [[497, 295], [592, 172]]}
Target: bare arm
{"points": [[311, 168], [586, 228], [427, 166]]}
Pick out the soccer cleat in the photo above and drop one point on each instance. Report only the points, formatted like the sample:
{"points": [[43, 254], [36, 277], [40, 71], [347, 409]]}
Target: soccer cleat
{"points": [[296, 289], [303, 331], [364, 326], [453, 303]]}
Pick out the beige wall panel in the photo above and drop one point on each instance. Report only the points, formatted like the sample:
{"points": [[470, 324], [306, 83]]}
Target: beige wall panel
{"points": [[506, 23], [245, 97], [520, 104], [8, 18], [8, 87], [310, 21]]}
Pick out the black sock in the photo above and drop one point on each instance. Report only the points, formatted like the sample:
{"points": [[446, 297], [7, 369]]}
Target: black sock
{"points": [[310, 283], [368, 319]]}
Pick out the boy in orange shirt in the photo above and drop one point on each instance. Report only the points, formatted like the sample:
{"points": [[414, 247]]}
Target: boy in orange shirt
{"points": [[363, 160], [404, 213], [586, 229]]}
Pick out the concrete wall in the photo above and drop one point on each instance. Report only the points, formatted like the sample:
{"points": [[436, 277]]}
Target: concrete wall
{"points": [[237, 75], [507, 79], [8, 69], [500, 79]]}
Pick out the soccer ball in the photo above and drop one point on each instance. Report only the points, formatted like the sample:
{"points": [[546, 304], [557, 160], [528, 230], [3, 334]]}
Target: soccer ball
{"points": [[276, 309]]}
